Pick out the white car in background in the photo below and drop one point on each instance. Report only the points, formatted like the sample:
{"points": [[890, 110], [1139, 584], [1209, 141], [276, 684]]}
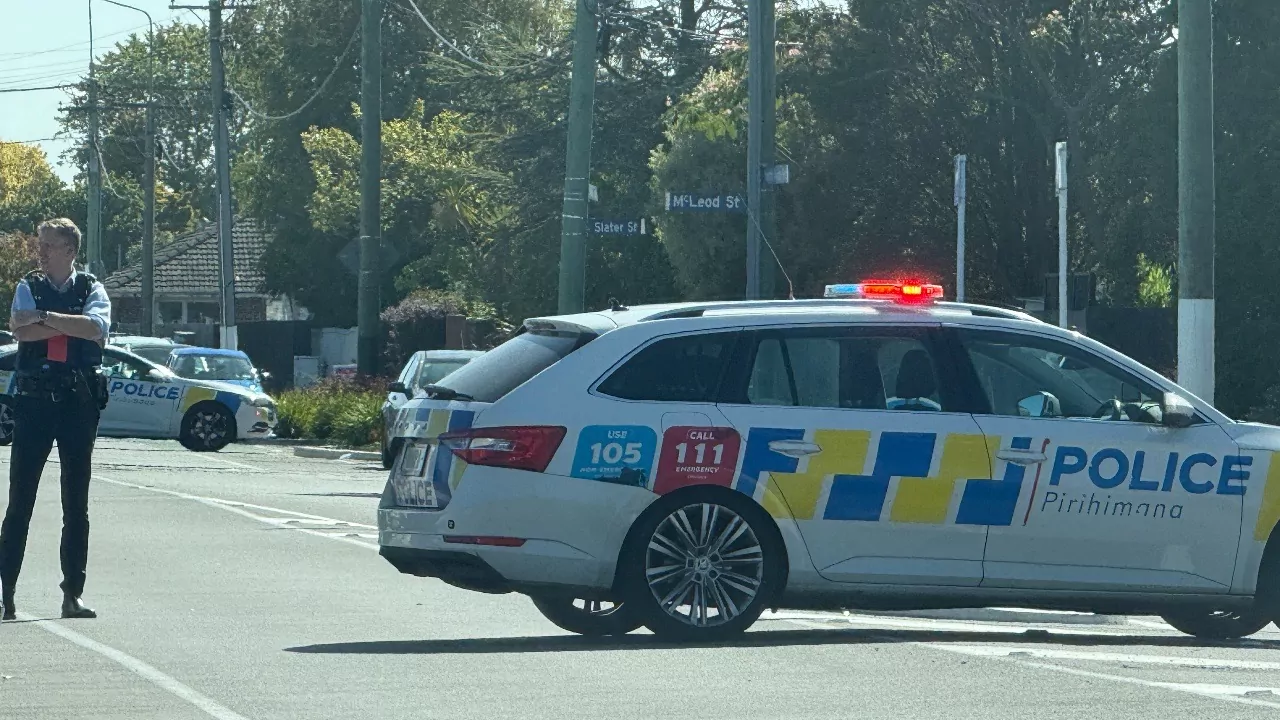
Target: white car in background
{"points": [[424, 368], [150, 401]]}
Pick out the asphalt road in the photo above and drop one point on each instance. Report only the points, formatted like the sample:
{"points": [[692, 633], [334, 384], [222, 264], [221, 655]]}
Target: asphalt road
{"points": [[246, 584]]}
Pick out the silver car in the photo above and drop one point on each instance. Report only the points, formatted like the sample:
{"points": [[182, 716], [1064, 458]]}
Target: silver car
{"points": [[425, 367]]}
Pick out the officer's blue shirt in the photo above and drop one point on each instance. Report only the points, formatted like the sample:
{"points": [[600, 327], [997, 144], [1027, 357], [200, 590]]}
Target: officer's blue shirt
{"points": [[97, 308]]}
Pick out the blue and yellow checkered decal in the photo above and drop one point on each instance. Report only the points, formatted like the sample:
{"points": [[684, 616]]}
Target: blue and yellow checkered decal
{"points": [[850, 479]]}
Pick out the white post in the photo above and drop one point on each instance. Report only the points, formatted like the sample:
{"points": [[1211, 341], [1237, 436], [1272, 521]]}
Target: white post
{"points": [[961, 162], [1062, 234]]}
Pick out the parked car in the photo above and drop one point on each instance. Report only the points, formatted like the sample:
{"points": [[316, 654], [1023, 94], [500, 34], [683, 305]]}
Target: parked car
{"points": [[425, 367], [229, 366], [150, 401], [6, 338], [686, 466], [156, 350]]}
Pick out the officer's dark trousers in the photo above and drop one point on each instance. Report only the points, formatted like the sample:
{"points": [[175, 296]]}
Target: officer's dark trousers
{"points": [[73, 424]]}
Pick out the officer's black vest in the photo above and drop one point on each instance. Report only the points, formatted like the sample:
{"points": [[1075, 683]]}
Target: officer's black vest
{"points": [[81, 354]]}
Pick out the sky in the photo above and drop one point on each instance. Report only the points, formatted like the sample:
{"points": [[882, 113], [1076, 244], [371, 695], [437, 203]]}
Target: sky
{"points": [[46, 42]]}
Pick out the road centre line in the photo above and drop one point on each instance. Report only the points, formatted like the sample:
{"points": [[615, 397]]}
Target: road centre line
{"points": [[165, 682], [1132, 658]]}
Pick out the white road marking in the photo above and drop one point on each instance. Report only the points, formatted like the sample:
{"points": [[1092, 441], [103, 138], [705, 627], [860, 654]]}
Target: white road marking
{"points": [[1132, 658], [140, 668], [239, 508], [931, 625], [1231, 693], [233, 463]]}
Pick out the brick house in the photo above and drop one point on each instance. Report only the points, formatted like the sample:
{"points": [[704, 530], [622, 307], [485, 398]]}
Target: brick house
{"points": [[187, 282]]}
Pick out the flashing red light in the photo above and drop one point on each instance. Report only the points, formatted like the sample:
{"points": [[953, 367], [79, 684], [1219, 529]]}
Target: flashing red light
{"points": [[908, 292]]}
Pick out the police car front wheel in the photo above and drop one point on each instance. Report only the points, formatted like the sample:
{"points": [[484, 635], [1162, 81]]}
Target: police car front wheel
{"points": [[702, 564], [207, 427], [593, 618]]}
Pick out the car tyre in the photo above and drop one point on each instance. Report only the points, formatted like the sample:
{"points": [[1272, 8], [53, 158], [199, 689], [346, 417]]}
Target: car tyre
{"points": [[390, 451], [8, 420], [702, 564], [1218, 624], [592, 618], [207, 427]]}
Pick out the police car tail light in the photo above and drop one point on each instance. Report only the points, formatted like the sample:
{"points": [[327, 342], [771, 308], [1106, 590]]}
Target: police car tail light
{"points": [[518, 448], [908, 293]]}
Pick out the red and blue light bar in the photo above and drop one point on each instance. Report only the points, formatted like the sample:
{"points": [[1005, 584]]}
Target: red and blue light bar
{"points": [[909, 292]]}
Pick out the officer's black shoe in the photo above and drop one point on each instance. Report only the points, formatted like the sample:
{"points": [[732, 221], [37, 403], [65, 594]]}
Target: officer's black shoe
{"points": [[74, 608], [7, 609]]}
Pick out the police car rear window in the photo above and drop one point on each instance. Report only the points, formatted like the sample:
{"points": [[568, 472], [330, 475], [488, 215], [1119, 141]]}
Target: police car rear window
{"points": [[511, 364], [686, 368]]}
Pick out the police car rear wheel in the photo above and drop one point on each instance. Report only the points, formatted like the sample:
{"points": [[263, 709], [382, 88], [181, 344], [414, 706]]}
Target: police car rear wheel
{"points": [[703, 565], [593, 618], [1218, 624], [207, 427], [6, 421]]}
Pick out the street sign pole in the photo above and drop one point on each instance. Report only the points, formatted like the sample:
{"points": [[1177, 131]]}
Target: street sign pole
{"points": [[961, 163], [1061, 177]]}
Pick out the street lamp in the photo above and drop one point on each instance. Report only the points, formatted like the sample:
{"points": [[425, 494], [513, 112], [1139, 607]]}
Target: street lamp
{"points": [[148, 181]]}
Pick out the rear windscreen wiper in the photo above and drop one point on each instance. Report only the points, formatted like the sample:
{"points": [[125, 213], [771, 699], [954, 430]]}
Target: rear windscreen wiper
{"points": [[441, 392]]}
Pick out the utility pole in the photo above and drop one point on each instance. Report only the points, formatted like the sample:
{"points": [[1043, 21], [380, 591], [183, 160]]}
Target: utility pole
{"points": [[93, 233], [370, 188], [148, 181], [1061, 181], [761, 128], [1196, 343], [577, 168], [149, 227], [960, 200], [222, 161]]}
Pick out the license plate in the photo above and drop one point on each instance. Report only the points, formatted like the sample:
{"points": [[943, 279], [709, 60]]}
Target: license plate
{"points": [[412, 483]]}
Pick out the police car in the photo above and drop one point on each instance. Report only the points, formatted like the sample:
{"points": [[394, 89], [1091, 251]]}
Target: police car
{"points": [[150, 401], [686, 466]]}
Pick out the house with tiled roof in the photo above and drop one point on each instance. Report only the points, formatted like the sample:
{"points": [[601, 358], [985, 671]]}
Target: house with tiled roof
{"points": [[187, 281]]}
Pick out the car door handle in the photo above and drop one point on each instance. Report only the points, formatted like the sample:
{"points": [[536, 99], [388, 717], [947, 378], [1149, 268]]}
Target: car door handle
{"points": [[1022, 457], [795, 448]]}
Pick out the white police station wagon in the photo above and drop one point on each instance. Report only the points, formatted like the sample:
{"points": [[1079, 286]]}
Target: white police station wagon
{"points": [[149, 401], [686, 466]]}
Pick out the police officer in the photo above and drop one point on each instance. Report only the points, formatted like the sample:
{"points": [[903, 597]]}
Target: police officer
{"points": [[60, 318]]}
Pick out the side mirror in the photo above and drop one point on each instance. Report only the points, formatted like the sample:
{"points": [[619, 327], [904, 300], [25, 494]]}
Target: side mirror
{"points": [[1176, 412], [398, 387], [1042, 404]]}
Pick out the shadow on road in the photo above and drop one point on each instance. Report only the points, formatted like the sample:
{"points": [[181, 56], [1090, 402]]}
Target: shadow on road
{"points": [[758, 639]]}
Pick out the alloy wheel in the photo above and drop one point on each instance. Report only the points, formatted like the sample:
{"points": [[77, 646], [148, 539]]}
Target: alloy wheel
{"points": [[704, 565]]}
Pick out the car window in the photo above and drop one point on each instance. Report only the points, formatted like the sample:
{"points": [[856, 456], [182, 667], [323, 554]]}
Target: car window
{"points": [[512, 364], [9, 363], [126, 368], [158, 354], [433, 371], [1025, 375], [410, 369], [686, 368], [866, 370]]}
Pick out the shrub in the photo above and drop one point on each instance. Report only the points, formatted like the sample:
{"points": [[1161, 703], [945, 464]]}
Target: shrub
{"points": [[418, 323], [347, 411]]}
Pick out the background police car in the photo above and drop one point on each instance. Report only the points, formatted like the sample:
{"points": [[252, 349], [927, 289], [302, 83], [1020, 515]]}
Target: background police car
{"points": [[149, 401], [1140, 499]]}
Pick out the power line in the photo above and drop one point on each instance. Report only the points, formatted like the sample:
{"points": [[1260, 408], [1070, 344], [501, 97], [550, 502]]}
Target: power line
{"points": [[34, 89], [263, 116], [29, 142], [465, 56], [67, 48]]}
